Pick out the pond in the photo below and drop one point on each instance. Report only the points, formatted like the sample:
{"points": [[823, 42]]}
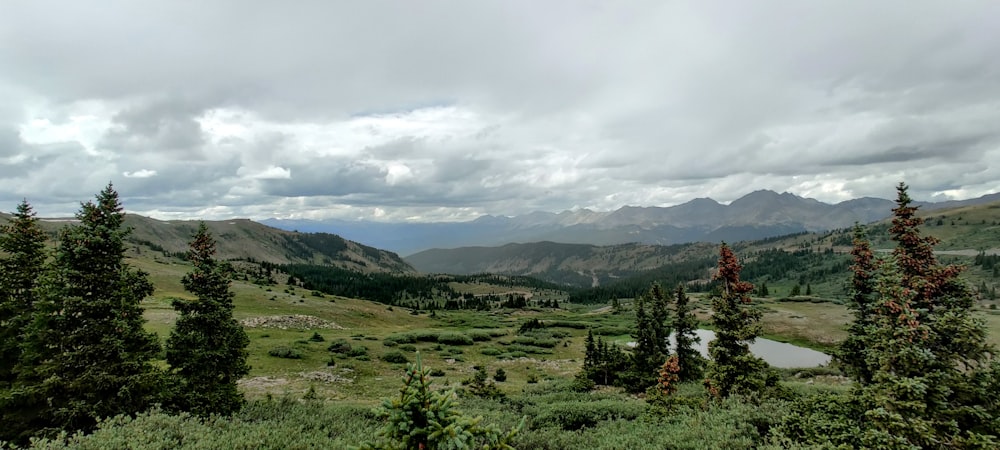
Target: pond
{"points": [[777, 354]]}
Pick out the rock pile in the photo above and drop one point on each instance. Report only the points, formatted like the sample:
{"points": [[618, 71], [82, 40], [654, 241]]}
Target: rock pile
{"points": [[297, 321]]}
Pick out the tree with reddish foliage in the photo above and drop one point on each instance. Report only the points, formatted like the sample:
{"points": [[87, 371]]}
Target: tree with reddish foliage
{"points": [[669, 376], [733, 370], [851, 353], [933, 384]]}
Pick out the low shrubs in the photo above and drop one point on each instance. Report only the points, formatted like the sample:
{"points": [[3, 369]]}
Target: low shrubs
{"points": [[395, 357], [285, 352]]}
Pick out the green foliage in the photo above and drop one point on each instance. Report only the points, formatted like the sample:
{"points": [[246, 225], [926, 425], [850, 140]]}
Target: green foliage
{"points": [[395, 357], [423, 418], [685, 324], [733, 370], [651, 340], [282, 351], [22, 246], [87, 354], [851, 352], [262, 424], [207, 349], [575, 414], [500, 375]]}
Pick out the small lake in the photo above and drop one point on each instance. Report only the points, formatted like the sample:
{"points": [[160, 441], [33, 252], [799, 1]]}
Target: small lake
{"points": [[777, 354]]}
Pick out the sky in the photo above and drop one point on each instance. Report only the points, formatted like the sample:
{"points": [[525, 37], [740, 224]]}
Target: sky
{"points": [[448, 110]]}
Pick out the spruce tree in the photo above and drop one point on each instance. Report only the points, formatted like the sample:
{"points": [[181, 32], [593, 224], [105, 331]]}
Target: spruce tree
{"points": [[646, 354], [90, 355], [661, 323], [933, 384], [22, 244], [685, 323], [851, 353], [21, 270], [207, 349], [733, 370]]}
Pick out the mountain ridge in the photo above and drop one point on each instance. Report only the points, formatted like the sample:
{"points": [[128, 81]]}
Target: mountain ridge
{"points": [[758, 215]]}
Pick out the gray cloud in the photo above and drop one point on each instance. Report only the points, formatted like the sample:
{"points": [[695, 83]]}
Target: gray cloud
{"points": [[452, 109]]}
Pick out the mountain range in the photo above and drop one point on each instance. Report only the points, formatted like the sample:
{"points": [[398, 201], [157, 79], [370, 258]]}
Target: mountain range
{"points": [[758, 215]]}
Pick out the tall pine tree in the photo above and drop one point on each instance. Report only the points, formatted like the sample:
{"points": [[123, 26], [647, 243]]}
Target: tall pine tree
{"points": [[90, 355], [21, 268], [689, 360], [733, 370], [933, 384], [207, 349], [852, 351], [22, 244]]}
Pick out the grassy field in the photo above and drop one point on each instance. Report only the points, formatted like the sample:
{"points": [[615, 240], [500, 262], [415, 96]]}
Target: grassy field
{"points": [[375, 331]]}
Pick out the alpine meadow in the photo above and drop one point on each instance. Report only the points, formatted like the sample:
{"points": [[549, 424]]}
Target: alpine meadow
{"points": [[499, 225]]}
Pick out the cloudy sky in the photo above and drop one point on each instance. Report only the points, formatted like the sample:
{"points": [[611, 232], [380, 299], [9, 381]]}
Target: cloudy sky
{"points": [[427, 110]]}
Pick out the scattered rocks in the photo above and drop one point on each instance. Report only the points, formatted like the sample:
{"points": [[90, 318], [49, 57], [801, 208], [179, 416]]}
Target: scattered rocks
{"points": [[300, 321], [325, 377], [261, 382]]}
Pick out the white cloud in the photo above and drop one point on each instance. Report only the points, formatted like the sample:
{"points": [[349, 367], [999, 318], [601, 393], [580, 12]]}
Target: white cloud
{"points": [[143, 173], [493, 107]]}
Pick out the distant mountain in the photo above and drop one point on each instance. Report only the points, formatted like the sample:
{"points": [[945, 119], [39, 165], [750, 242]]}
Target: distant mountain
{"points": [[962, 230], [245, 239], [758, 215], [579, 265]]}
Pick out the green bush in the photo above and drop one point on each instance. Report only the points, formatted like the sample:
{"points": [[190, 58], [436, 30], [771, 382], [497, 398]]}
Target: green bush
{"points": [[479, 335], [454, 338], [357, 350], [490, 351], [574, 415], [316, 337], [408, 348], [340, 346], [395, 357], [285, 352]]}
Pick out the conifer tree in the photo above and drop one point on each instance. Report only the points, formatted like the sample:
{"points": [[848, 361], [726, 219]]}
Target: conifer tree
{"points": [[689, 360], [661, 323], [21, 269], [207, 349], [852, 351], [90, 356], [22, 243], [645, 354], [932, 384], [733, 370]]}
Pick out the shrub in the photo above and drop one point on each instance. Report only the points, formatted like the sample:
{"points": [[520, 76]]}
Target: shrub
{"points": [[340, 346], [408, 348], [479, 335], [316, 337], [358, 350], [500, 376], [453, 338], [490, 351], [574, 415], [285, 352], [395, 357]]}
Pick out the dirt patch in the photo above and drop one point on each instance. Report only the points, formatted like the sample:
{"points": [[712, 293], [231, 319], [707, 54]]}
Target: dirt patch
{"points": [[299, 321], [262, 382], [325, 377]]}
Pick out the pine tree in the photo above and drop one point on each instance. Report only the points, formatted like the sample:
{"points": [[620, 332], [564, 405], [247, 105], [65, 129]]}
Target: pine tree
{"points": [[661, 323], [646, 354], [590, 351], [933, 384], [688, 358], [90, 356], [852, 351], [207, 349], [22, 243], [733, 370], [21, 270]]}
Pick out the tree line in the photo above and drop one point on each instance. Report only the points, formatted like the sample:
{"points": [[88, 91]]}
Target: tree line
{"points": [[72, 340]]}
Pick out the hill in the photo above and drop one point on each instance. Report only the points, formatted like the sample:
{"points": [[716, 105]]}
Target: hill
{"points": [[242, 239]]}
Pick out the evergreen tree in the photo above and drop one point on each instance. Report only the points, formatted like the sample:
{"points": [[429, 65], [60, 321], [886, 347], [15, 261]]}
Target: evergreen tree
{"points": [[646, 354], [590, 351], [933, 384], [661, 323], [207, 349], [733, 370], [689, 360], [21, 269], [89, 354], [851, 353], [22, 244]]}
